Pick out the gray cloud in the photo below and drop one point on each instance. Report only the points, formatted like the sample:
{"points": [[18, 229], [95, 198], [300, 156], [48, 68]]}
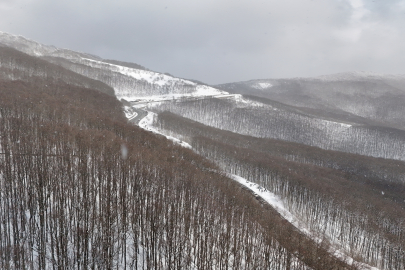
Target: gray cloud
{"points": [[222, 41]]}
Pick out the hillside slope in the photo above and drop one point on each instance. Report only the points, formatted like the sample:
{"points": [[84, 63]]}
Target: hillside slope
{"points": [[16, 65], [350, 201], [376, 97], [118, 196], [129, 80], [80, 188]]}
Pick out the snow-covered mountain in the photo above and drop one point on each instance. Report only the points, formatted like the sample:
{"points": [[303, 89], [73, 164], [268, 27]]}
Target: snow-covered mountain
{"points": [[133, 84], [329, 150], [378, 98], [326, 111], [129, 83], [34, 48]]}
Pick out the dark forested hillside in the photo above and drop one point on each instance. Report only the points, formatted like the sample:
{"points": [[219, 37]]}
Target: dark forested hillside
{"points": [[351, 200], [82, 189], [301, 174], [262, 119], [16, 65]]}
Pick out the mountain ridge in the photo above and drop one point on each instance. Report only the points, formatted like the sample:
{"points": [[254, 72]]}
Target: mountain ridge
{"points": [[280, 139]]}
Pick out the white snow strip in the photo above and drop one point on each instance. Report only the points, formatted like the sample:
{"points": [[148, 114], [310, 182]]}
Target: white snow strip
{"points": [[239, 99], [138, 74], [199, 93], [204, 90], [147, 124], [274, 200], [158, 80], [342, 125], [277, 203]]}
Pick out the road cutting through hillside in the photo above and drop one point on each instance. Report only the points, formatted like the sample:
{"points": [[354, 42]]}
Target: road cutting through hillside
{"points": [[263, 196], [145, 101], [140, 114], [137, 106]]}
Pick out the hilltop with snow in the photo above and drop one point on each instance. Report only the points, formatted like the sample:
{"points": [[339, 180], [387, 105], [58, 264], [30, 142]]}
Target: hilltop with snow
{"points": [[128, 83]]}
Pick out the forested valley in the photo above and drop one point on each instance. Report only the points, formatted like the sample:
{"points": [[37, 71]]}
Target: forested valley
{"points": [[351, 201], [80, 188], [85, 185], [278, 121]]}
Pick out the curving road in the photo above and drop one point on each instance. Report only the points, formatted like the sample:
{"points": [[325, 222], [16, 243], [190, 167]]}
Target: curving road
{"points": [[140, 115]]}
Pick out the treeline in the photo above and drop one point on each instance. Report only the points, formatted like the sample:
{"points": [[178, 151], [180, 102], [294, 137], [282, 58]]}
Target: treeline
{"points": [[82, 189], [16, 65], [353, 202], [386, 171], [266, 121]]}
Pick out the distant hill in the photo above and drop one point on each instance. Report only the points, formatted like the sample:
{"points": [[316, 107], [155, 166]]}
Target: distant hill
{"points": [[372, 96]]}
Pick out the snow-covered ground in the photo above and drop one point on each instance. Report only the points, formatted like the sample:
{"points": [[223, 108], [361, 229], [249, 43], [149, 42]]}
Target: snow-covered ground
{"points": [[142, 102]]}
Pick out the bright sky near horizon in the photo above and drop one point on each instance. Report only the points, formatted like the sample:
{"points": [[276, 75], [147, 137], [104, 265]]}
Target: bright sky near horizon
{"points": [[222, 41]]}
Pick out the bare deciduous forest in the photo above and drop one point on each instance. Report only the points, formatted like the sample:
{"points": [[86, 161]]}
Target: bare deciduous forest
{"points": [[83, 188], [72, 198], [353, 200], [266, 121]]}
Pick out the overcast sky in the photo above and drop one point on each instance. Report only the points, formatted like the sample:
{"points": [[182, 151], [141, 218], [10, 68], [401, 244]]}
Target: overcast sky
{"points": [[219, 41]]}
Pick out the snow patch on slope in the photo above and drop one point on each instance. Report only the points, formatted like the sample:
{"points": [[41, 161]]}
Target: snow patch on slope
{"points": [[129, 112], [240, 100], [262, 85], [138, 74], [154, 78]]}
